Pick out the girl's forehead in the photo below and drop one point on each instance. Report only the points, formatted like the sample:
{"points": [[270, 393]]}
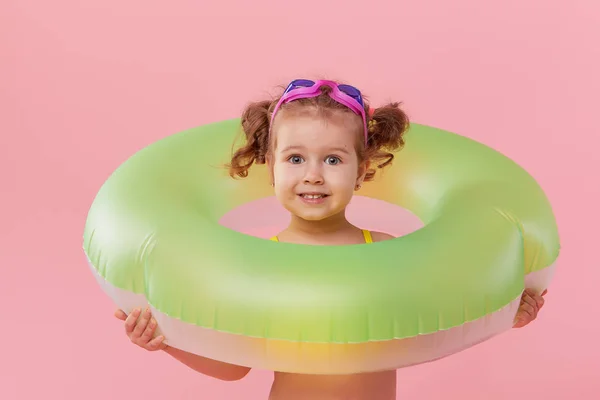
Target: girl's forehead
{"points": [[315, 132]]}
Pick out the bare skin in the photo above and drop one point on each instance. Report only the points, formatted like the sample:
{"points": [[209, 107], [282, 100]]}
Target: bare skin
{"points": [[140, 327], [373, 386]]}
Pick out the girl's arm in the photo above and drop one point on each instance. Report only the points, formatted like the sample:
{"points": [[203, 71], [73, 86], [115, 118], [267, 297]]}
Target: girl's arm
{"points": [[140, 328], [207, 366]]}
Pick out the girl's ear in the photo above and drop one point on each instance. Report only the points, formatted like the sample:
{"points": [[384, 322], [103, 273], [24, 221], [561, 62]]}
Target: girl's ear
{"points": [[269, 164], [363, 168]]}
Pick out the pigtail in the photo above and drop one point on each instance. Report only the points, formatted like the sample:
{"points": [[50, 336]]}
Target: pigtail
{"points": [[387, 126], [255, 127]]}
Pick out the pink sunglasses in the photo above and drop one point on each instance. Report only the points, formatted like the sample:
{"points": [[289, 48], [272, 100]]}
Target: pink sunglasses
{"points": [[346, 95]]}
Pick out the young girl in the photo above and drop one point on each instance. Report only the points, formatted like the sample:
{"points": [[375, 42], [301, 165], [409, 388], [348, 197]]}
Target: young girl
{"points": [[320, 143]]}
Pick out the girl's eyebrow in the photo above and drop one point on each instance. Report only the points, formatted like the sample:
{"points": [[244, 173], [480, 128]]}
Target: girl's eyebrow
{"points": [[338, 149], [291, 148]]}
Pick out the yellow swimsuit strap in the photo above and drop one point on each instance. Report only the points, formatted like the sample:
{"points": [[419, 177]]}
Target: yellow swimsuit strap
{"points": [[366, 234]]}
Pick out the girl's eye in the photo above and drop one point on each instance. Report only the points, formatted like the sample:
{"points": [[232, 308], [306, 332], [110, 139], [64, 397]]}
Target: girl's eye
{"points": [[295, 159], [332, 160]]}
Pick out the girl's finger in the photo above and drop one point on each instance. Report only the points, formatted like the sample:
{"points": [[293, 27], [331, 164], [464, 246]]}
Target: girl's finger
{"points": [[539, 300], [527, 299], [541, 305], [544, 292], [149, 331], [521, 319], [142, 323], [156, 343], [130, 321], [529, 309], [534, 301], [120, 314], [525, 315], [519, 323]]}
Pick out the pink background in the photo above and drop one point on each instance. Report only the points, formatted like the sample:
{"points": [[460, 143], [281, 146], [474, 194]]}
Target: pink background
{"points": [[84, 84]]}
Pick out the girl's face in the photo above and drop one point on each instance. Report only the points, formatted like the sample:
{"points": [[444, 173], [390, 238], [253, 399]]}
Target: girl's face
{"points": [[315, 166]]}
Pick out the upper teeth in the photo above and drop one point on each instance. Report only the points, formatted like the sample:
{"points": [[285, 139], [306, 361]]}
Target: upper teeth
{"points": [[312, 196]]}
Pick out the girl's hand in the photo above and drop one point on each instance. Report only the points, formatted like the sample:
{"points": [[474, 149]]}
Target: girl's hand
{"points": [[141, 332], [531, 304]]}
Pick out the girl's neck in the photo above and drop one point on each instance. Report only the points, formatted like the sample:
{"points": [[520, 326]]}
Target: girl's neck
{"points": [[333, 224]]}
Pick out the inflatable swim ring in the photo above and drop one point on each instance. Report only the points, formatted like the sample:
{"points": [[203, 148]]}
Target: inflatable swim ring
{"points": [[153, 237]]}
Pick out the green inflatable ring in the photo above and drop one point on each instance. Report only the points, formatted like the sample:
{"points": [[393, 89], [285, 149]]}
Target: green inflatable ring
{"points": [[153, 237]]}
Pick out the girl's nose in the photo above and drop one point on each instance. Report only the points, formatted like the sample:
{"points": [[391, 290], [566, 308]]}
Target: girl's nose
{"points": [[313, 175]]}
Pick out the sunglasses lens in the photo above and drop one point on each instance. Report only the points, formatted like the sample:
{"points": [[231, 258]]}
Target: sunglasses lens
{"points": [[350, 90], [303, 83]]}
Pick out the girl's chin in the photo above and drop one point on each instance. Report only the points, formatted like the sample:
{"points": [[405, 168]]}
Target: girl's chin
{"points": [[314, 214]]}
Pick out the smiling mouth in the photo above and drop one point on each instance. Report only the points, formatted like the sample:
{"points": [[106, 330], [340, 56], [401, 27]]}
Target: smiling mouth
{"points": [[313, 196]]}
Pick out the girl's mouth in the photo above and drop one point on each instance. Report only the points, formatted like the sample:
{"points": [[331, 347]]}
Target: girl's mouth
{"points": [[313, 198]]}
